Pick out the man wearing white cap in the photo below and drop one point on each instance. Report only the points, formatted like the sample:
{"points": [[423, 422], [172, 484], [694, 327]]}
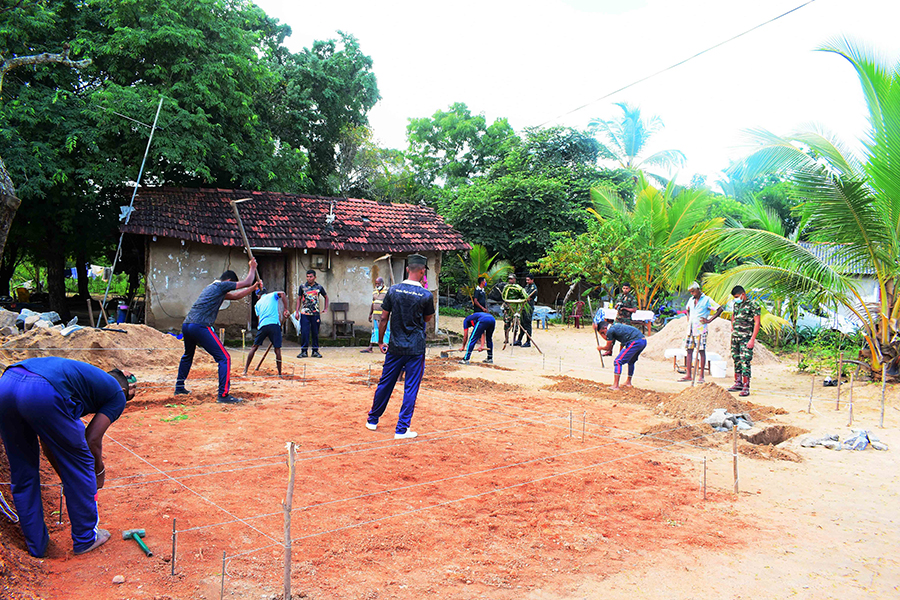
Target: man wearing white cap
{"points": [[699, 307]]}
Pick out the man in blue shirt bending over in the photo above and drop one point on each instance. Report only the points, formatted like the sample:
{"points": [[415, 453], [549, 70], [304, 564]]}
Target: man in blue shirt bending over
{"points": [[481, 324], [407, 307], [42, 401], [632, 343], [269, 326]]}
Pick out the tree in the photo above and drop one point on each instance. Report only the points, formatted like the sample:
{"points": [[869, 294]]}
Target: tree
{"points": [[624, 140], [451, 147], [852, 204], [323, 92], [627, 244], [481, 264], [540, 185]]}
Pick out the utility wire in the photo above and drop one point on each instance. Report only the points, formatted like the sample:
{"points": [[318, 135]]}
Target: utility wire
{"points": [[678, 64]]}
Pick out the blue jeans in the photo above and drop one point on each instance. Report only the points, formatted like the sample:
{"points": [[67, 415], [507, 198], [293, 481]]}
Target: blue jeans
{"points": [[394, 364], [309, 328], [629, 356]]}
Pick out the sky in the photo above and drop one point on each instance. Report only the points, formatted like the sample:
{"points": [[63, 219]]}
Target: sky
{"points": [[535, 61]]}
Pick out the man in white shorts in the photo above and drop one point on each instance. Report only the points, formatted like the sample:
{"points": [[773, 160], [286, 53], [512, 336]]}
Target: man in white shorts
{"points": [[699, 307]]}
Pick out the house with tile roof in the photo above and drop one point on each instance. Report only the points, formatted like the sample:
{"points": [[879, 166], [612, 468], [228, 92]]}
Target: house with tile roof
{"points": [[191, 236]]}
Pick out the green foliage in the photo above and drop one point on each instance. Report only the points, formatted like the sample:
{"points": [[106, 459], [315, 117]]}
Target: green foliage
{"points": [[447, 311], [820, 349], [539, 186], [480, 264]]}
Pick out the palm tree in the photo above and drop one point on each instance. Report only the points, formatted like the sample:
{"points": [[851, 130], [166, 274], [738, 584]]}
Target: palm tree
{"points": [[852, 204], [482, 265], [626, 138], [665, 217]]}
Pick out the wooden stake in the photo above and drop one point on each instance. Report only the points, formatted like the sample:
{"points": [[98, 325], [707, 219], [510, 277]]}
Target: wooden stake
{"points": [[222, 334], [734, 454], [570, 423], [243, 339], [583, 425], [883, 384], [90, 311], [852, 377], [840, 370], [288, 500], [811, 390]]}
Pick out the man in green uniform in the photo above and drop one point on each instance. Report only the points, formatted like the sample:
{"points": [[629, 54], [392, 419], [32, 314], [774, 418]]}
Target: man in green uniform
{"points": [[744, 329], [511, 291], [527, 313], [625, 305]]}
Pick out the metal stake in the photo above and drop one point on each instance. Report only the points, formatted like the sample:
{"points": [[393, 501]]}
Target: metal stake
{"points": [[173, 546], [883, 384], [243, 339], [59, 518], [840, 370], [852, 377], [222, 591], [222, 334], [704, 478], [811, 390]]}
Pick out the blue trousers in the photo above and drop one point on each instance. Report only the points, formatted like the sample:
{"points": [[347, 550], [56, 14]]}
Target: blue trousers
{"points": [[477, 331], [394, 364], [200, 335], [629, 354], [309, 328], [31, 410]]}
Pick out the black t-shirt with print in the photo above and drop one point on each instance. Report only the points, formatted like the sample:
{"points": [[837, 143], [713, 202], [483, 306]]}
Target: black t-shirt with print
{"points": [[409, 303]]}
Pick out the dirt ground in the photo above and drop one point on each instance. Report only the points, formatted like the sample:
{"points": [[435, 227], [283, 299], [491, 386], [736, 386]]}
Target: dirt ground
{"points": [[529, 479]]}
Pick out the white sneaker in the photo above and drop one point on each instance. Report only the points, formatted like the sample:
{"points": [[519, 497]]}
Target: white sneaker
{"points": [[371, 426], [405, 436]]}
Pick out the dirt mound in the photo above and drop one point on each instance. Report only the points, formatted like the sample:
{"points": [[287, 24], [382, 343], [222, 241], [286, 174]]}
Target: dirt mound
{"points": [[681, 431], [768, 452], [718, 341], [20, 573], [141, 346], [586, 387], [699, 402]]}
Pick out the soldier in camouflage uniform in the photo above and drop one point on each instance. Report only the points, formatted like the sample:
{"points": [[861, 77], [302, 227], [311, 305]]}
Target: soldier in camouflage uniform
{"points": [[625, 305], [511, 291], [744, 329]]}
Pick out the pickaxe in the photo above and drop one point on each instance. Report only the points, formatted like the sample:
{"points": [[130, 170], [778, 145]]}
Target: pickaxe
{"points": [[596, 335], [390, 266], [136, 535], [240, 223]]}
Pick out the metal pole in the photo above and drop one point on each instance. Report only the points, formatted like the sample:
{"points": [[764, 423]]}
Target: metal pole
{"points": [[811, 390], [137, 184], [704, 478], [883, 384], [852, 377], [840, 370], [59, 518], [222, 591], [734, 454], [173, 546]]}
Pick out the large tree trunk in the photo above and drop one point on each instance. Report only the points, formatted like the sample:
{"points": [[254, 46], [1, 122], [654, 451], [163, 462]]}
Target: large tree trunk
{"points": [[56, 284], [8, 268]]}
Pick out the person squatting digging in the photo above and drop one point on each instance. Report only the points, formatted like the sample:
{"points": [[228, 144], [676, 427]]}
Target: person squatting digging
{"points": [[527, 313], [699, 307], [308, 312], [197, 329], [481, 324], [479, 303], [269, 326], [632, 342], [745, 319], [42, 401], [407, 307], [378, 295]]}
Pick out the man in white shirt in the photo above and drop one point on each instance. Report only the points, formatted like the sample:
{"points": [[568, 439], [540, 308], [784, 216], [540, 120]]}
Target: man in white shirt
{"points": [[699, 307]]}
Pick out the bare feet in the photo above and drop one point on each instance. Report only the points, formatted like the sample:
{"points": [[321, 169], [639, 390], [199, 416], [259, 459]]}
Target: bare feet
{"points": [[613, 387], [626, 385], [685, 378], [701, 381], [102, 537], [366, 350]]}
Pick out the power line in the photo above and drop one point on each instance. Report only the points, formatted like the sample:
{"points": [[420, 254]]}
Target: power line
{"points": [[678, 64]]}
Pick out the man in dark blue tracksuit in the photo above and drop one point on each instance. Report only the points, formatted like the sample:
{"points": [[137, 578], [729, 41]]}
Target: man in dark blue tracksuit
{"points": [[481, 324], [197, 329], [632, 343], [406, 308], [44, 399]]}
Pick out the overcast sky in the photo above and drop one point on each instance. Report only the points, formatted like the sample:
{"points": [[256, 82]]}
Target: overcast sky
{"points": [[534, 62]]}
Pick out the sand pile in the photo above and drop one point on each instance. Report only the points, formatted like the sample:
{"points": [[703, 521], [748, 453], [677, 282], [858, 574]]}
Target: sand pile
{"points": [[141, 346], [699, 402], [718, 341]]}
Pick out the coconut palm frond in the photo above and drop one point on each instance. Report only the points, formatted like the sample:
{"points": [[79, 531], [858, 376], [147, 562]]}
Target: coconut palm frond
{"points": [[608, 204], [667, 159], [773, 154], [773, 280], [758, 215]]}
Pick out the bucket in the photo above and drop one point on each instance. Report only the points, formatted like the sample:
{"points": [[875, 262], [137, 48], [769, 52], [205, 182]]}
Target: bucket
{"points": [[717, 368], [121, 313]]}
